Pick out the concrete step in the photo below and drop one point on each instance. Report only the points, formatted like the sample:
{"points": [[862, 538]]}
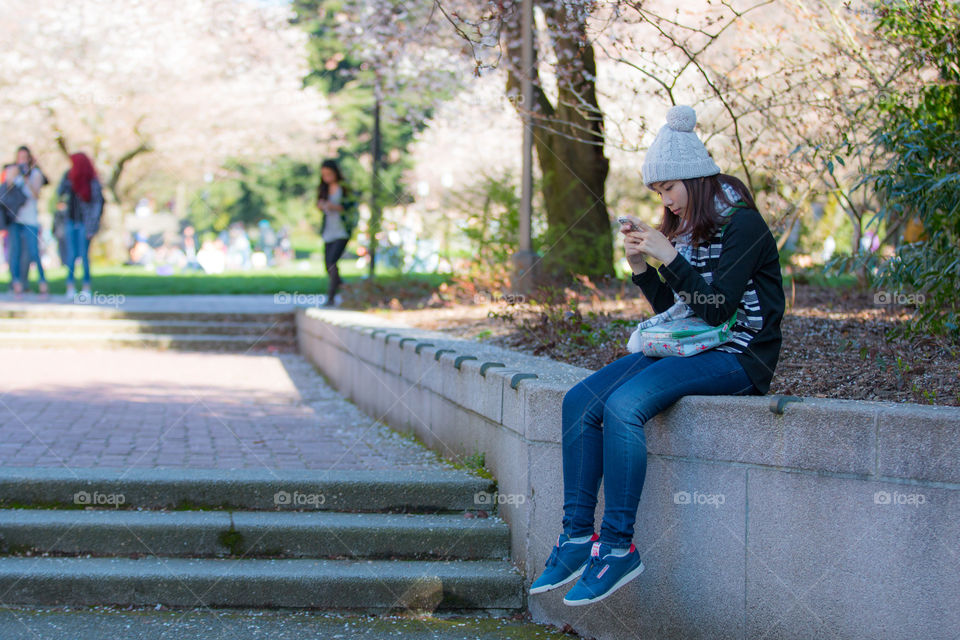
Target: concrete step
{"points": [[242, 489], [91, 312], [357, 585], [183, 342], [74, 326], [102, 623], [251, 534]]}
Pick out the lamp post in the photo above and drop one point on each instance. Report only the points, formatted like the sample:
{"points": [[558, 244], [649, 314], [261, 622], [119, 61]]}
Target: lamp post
{"points": [[376, 215], [525, 260]]}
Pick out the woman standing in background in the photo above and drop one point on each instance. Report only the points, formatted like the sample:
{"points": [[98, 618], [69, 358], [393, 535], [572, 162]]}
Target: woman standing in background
{"points": [[26, 225], [336, 226], [80, 190]]}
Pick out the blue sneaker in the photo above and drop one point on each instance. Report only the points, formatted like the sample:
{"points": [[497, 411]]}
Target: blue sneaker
{"points": [[604, 574], [566, 563]]}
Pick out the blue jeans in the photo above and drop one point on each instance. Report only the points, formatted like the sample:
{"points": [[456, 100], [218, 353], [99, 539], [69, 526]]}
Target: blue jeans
{"points": [[602, 418], [332, 251], [78, 246], [18, 234]]}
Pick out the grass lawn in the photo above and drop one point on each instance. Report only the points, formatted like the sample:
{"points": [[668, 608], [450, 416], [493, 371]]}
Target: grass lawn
{"points": [[137, 281], [133, 281]]}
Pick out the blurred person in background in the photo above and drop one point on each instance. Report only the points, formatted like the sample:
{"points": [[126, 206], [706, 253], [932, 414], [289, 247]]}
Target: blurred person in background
{"points": [[60, 230], [268, 241], [26, 225], [338, 223], [82, 195]]}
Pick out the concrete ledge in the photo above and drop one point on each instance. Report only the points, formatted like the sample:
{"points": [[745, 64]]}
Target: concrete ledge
{"points": [[800, 524]]}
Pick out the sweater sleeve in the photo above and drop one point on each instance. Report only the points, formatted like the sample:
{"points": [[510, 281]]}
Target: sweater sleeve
{"points": [[744, 241], [657, 293]]}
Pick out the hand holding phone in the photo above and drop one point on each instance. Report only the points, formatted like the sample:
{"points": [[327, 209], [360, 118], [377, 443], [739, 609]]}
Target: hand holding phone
{"points": [[635, 224], [634, 255]]}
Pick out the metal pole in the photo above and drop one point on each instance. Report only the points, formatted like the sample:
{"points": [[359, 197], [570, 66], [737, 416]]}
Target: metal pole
{"points": [[526, 188], [375, 213], [525, 259]]}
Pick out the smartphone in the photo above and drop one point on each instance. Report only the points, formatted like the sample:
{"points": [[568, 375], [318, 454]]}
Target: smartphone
{"points": [[627, 221]]}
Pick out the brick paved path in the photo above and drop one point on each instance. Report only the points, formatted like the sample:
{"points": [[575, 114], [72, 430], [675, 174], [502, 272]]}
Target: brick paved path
{"points": [[129, 408]]}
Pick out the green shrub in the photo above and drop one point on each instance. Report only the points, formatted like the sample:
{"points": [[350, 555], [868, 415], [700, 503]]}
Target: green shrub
{"points": [[922, 178]]}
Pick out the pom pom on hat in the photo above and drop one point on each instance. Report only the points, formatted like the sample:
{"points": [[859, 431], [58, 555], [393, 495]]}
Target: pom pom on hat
{"points": [[677, 153], [681, 118]]}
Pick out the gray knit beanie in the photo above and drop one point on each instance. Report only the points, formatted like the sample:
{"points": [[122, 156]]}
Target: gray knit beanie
{"points": [[676, 152]]}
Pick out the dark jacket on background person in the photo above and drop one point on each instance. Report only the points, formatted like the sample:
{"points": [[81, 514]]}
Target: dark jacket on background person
{"points": [[78, 210]]}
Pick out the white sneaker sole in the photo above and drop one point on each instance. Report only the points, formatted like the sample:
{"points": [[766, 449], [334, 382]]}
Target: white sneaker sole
{"points": [[622, 581], [550, 587]]}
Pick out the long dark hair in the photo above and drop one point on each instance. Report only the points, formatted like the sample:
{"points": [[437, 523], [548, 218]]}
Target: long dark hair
{"points": [[81, 174], [323, 191], [704, 219]]}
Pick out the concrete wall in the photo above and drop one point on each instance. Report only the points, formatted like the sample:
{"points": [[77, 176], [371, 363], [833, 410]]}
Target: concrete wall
{"points": [[834, 519]]}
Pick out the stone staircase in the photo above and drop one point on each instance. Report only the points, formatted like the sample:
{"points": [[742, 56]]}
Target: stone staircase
{"points": [[79, 326], [360, 541]]}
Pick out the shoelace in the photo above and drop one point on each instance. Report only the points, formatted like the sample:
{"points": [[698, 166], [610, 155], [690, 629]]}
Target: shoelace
{"points": [[592, 564], [593, 567]]}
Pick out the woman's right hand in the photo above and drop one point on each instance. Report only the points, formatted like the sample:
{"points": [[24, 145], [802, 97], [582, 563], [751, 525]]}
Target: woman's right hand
{"points": [[631, 240]]}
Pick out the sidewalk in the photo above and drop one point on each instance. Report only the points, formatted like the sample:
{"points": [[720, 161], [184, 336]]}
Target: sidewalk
{"points": [[139, 408]]}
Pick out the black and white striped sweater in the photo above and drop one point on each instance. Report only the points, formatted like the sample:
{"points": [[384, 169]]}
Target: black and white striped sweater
{"points": [[739, 271]]}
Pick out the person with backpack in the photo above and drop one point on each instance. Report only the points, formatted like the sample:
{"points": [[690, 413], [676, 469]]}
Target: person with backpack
{"points": [[719, 262], [81, 192], [339, 220], [25, 225]]}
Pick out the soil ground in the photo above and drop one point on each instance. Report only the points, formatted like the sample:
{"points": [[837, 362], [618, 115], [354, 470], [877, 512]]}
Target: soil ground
{"points": [[834, 343]]}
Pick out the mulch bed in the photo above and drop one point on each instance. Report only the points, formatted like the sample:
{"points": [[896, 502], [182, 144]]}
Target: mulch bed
{"points": [[834, 343]]}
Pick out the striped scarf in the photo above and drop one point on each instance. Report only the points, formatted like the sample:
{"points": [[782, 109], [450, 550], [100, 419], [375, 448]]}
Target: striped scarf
{"points": [[681, 309]]}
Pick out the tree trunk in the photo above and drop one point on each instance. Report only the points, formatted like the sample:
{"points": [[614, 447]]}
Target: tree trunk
{"points": [[568, 138]]}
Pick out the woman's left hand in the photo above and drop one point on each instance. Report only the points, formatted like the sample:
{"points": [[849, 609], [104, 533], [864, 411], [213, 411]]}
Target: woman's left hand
{"points": [[655, 244]]}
